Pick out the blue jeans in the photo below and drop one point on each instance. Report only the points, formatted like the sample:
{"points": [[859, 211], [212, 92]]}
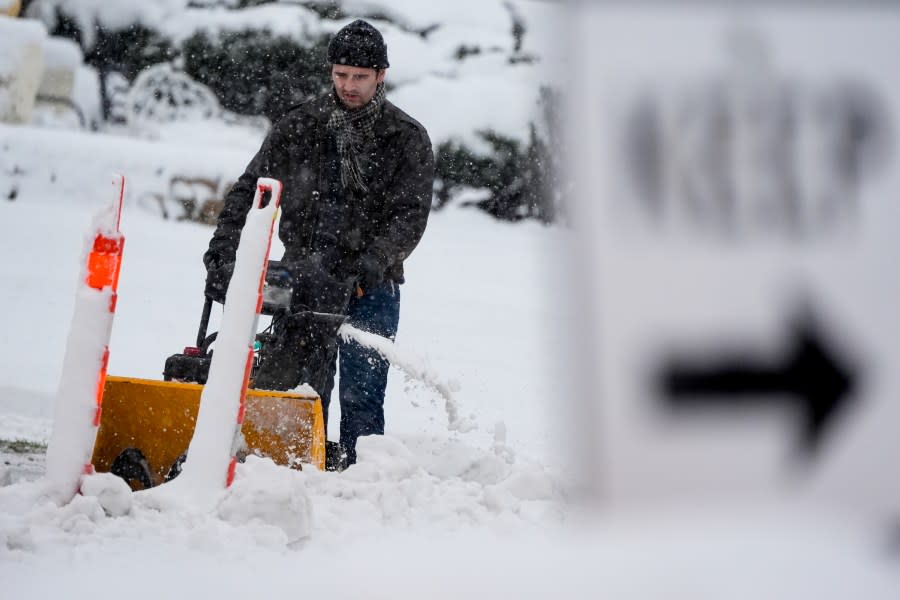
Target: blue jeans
{"points": [[363, 371]]}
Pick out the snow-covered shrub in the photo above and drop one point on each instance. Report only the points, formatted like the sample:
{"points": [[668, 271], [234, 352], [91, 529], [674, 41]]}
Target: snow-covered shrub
{"points": [[255, 73], [513, 175], [116, 54], [521, 181], [161, 94], [128, 49]]}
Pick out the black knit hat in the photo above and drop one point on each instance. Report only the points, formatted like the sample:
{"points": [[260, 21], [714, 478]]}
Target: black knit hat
{"points": [[358, 45]]}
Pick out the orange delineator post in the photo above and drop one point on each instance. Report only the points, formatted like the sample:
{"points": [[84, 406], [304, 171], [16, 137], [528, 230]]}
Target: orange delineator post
{"points": [[262, 185], [104, 264], [80, 396]]}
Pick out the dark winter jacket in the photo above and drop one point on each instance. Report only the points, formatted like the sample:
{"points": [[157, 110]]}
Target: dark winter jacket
{"points": [[350, 233]]}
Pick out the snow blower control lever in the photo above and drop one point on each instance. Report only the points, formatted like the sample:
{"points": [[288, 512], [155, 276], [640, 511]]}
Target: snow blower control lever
{"points": [[192, 365]]}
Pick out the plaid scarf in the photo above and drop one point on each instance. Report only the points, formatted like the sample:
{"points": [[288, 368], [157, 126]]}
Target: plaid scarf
{"points": [[351, 129]]}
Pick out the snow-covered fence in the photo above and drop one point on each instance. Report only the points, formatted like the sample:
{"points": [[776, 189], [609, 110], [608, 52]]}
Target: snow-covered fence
{"points": [[190, 197]]}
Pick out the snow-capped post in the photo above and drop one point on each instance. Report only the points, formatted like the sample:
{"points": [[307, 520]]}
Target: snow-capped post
{"points": [[79, 398], [211, 457]]}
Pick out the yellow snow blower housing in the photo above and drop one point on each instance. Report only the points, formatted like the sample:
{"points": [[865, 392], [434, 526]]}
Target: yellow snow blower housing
{"points": [[158, 417]]}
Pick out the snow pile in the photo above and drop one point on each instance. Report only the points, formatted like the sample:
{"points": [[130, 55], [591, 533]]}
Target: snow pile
{"points": [[268, 495], [433, 484], [31, 524], [111, 492], [439, 485], [26, 528]]}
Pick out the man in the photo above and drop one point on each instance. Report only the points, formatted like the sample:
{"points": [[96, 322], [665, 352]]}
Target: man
{"points": [[357, 174]]}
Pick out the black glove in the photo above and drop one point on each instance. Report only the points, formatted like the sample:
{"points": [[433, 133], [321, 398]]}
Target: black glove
{"points": [[218, 276], [315, 288], [369, 272], [215, 259]]}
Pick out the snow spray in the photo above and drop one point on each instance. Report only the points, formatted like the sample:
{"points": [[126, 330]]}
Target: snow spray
{"points": [[413, 368]]}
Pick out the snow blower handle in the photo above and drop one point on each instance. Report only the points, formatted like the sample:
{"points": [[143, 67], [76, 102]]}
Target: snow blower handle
{"points": [[204, 322]]}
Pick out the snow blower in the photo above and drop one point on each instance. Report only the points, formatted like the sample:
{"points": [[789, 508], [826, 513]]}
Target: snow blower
{"points": [[157, 418], [147, 425]]}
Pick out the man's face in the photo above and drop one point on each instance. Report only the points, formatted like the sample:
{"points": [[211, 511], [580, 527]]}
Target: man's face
{"points": [[355, 85]]}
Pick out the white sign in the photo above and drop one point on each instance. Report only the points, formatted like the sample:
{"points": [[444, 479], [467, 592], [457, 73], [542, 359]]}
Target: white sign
{"points": [[739, 199]]}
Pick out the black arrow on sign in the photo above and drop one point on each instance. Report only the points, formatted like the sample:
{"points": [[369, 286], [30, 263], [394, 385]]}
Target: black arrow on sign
{"points": [[809, 375]]}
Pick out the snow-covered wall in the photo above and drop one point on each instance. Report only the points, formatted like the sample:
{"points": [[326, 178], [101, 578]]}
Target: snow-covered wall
{"points": [[21, 67], [62, 59]]}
